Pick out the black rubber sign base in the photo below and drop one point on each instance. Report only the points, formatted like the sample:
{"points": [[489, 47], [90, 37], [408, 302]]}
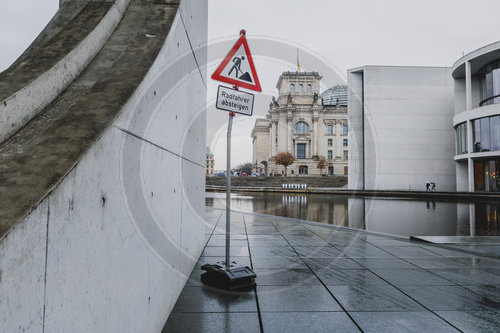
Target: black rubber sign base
{"points": [[235, 279]]}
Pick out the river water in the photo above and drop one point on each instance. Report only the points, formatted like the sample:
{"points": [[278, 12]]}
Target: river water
{"points": [[393, 216]]}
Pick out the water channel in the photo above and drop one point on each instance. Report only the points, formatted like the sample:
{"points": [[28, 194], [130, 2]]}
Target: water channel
{"points": [[393, 216]]}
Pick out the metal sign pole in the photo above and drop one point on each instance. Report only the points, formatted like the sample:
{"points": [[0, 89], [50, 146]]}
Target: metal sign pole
{"points": [[228, 189]]}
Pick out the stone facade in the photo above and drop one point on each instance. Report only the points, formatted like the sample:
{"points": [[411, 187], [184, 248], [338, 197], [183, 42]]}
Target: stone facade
{"points": [[210, 162], [299, 122]]}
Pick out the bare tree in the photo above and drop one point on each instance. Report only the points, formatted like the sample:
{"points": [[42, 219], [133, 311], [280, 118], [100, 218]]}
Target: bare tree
{"points": [[284, 159], [321, 165]]}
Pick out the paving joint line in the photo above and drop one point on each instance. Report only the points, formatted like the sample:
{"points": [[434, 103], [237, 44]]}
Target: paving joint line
{"points": [[261, 324], [322, 283], [394, 286]]}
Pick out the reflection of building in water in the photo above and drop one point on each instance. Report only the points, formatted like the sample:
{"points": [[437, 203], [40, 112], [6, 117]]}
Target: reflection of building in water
{"points": [[413, 218], [305, 124]]}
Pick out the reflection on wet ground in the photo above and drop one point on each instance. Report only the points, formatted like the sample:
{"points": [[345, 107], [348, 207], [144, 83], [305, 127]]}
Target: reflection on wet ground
{"points": [[392, 216], [320, 278]]}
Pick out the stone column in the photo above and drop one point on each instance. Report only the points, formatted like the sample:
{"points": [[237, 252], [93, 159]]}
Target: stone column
{"points": [[314, 141], [289, 132], [340, 139], [273, 138]]}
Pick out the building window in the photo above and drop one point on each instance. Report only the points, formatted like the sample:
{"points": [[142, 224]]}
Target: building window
{"points": [[301, 150], [292, 171], [301, 88], [329, 129], [461, 133], [301, 128], [489, 83], [308, 88], [346, 156], [344, 129], [330, 142], [487, 175], [345, 171], [344, 142], [486, 134], [330, 154], [292, 87], [303, 170]]}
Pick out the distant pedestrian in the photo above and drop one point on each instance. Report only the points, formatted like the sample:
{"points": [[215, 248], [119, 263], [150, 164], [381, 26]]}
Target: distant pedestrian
{"points": [[433, 186], [427, 184]]}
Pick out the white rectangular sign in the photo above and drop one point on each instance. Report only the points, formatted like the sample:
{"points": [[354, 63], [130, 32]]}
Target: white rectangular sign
{"points": [[234, 101]]}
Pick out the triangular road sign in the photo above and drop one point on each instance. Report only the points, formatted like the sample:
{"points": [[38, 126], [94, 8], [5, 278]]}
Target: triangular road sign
{"points": [[237, 68]]}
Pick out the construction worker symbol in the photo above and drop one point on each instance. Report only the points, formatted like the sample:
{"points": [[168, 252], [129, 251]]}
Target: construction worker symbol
{"points": [[238, 73]]}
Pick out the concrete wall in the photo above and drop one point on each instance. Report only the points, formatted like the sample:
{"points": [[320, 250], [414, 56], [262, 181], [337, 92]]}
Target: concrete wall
{"points": [[21, 106], [110, 248], [407, 118], [355, 134]]}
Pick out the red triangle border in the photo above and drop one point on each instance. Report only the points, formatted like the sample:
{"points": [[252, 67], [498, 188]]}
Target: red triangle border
{"points": [[217, 74]]}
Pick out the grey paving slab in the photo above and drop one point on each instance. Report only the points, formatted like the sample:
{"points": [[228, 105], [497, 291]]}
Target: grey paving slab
{"points": [[450, 298], [344, 241], [495, 271], [447, 252], [390, 242], [487, 250], [411, 277], [223, 237], [386, 284], [277, 262], [298, 240], [269, 251], [348, 277], [326, 251], [384, 263], [330, 264], [236, 251], [436, 263], [300, 322], [229, 322], [470, 277], [257, 230], [222, 242], [401, 322], [296, 298], [365, 251], [473, 321], [490, 292], [205, 299], [373, 297], [238, 261], [285, 277], [479, 262], [410, 252]]}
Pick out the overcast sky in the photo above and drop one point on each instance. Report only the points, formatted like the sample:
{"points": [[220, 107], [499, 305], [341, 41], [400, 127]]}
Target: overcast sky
{"points": [[345, 33]]}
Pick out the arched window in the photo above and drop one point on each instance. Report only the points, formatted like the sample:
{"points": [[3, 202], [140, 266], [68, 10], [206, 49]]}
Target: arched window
{"points": [[301, 128], [309, 88], [301, 88], [292, 87]]}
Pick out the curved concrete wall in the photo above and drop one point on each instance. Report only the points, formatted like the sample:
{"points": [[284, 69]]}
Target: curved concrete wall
{"points": [[19, 106], [110, 246]]}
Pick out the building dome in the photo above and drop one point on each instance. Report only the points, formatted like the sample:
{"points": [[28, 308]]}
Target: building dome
{"points": [[336, 96]]}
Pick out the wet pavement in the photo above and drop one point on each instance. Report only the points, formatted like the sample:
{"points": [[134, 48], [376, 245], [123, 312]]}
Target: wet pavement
{"points": [[319, 278]]}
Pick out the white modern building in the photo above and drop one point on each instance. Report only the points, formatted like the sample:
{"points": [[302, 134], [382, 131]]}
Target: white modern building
{"points": [[400, 128], [477, 119]]}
